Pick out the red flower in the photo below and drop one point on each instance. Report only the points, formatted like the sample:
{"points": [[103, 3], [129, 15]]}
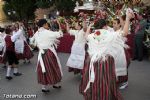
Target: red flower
{"points": [[97, 33]]}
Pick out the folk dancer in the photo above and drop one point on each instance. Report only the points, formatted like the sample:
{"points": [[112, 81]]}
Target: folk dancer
{"points": [[22, 48], [103, 64], [11, 54], [76, 59], [127, 37], [49, 70]]}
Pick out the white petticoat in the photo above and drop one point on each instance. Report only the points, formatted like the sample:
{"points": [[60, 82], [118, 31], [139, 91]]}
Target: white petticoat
{"points": [[76, 59]]}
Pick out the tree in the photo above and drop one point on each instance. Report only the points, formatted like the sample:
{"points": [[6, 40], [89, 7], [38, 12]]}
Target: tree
{"points": [[43, 3], [65, 5], [24, 9], [20, 9]]}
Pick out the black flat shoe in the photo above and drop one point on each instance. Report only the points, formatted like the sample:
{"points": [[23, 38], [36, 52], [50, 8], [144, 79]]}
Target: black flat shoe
{"points": [[24, 62], [18, 74], [140, 60], [4, 67], [56, 87], [29, 62], [9, 77], [134, 59], [45, 91]]}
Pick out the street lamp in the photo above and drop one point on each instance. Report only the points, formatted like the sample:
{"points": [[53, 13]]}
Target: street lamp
{"points": [[57, 13], [9, 13], [14, 12]]}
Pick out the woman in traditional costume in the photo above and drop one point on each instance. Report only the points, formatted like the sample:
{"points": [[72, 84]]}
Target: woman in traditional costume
{"points": [[49, 70], [76, 59], [117, 28], [23, 50], [102, 66], [128, 38]]}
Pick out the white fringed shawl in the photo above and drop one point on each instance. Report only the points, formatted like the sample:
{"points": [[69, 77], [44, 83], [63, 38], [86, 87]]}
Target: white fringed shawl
{"points": [[107, 43]]}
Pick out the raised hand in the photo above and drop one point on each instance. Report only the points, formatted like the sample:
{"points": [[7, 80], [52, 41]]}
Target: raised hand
{"points": [[58, 24], [130, 13]]}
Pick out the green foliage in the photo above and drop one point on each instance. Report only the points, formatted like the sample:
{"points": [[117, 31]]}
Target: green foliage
{"points": [[43, 3], [24, 9], [6, 8], [65, 5]]}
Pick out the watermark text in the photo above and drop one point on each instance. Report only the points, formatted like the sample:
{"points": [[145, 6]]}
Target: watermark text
{"points": [[19, 96]]}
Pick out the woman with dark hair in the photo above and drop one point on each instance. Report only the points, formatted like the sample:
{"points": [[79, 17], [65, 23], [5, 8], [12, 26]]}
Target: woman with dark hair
{"points": [[102, 24], [49, 70], [116, 24], [103, 64]]}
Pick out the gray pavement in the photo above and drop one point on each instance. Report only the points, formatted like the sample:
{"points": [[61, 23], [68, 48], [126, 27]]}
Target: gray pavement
{"points": [[26, 85]]}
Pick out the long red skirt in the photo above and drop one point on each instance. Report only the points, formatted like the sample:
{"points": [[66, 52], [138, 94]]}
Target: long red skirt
{"points": [[27, 54], [53, 73], [104, 86]]}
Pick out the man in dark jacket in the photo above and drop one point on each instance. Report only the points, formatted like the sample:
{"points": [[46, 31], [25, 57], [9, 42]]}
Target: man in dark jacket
{"points": [[139, 36]]}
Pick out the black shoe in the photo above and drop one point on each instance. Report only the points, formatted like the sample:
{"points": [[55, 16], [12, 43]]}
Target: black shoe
{"points": [[9, 77], [140, 59], [24, 62], [134, 59], [4, 67], [29, 62], [45, 91], [56, 87], [18, 74]]}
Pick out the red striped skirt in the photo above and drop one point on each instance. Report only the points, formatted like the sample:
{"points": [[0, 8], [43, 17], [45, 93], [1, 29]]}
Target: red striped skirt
{"points": [[27, 54], [53, 73], [104, 86]]}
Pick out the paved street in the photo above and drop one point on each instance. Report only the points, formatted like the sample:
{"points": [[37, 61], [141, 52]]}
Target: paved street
{"points": [[138, 89]]}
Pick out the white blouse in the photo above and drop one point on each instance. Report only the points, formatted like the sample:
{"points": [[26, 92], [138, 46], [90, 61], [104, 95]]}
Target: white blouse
{"points": [[107, 43], [44, 38], [79, 36], [16, 35]]}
